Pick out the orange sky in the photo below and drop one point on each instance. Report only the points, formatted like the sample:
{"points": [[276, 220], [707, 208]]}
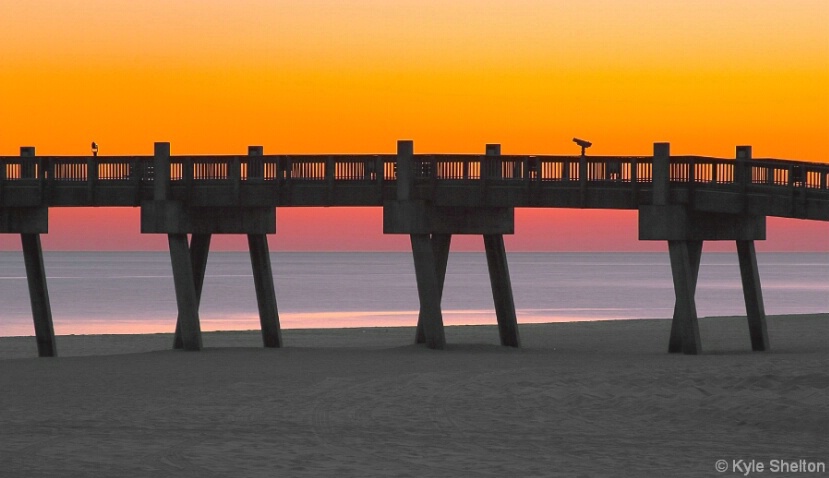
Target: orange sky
{"points": [[213, 76]]}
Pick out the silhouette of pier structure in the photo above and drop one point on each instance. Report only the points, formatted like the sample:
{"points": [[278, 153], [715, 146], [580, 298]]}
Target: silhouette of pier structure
{"points": [[684, 200]]}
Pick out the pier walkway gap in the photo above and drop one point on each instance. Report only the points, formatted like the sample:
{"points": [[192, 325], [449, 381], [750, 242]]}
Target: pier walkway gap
{"points": [[684, 200]]}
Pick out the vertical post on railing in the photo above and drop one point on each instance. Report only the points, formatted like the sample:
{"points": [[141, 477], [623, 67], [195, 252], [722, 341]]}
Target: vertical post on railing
{"points": [[405, 171], [692, 178], [489, 167], [2, 177], [330, 170], [234, 172], [187, 176], [27, 166], [790, 174], [493, 163], [135, 178], [256, 167], [493, 149], [369, 168], [691, 173], [742, 171], [161, 166], [91, 177], [49, 175], [742, 174], [582, 178], [380, 166], [661, 173], [634, 179]]}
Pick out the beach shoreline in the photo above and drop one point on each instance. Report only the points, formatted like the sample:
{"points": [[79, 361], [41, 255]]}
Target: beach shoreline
{"points": [[721, 332], [577, 399]]}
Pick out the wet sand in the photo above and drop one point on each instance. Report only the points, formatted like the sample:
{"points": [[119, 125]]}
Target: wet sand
{"points": [[578, 399]]}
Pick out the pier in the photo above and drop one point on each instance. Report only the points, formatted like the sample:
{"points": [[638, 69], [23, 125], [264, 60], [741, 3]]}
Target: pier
{"points": [[683, 200]]}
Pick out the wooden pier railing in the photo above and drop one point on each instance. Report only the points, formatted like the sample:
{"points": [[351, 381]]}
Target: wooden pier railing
{"points": [[772, 177], [443, 167]]}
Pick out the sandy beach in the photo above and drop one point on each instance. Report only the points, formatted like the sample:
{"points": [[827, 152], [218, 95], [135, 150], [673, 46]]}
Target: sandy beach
{"points": [[578, 399]]}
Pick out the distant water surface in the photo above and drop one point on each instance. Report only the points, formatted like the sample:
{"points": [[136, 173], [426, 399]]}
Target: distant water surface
{"points": [[132, 292]]}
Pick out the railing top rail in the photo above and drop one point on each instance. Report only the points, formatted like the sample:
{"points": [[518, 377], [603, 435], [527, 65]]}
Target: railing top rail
{"points": [[541, 157], [99, 158], [320, 157], [777, 162], [701, 159], [449, 155], [785, 163], [617, 158], [278, 156], [77, 158]]}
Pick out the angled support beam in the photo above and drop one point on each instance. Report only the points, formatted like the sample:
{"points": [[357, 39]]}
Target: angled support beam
{"points": [[199, 248], [753, 293], [428, 291], [186, 299], [260, 260], [496, 258], [39, 295], [683, 288], [440, 249], [694, 255]]}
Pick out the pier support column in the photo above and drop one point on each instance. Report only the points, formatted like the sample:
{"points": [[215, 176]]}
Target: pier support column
{"points": [[694, 255], [755, 311], [685, 226], [428, 291], [177, 211], [39, 295], [30, 222], [430, 227], [685, 311], [496, 258], [440, 250], [199, 248], [186, 299], [260, 260]]}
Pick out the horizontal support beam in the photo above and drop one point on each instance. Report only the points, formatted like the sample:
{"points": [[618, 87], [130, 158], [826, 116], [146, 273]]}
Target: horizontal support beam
{"points": [[419, 217], [677, 223], [170, 217], [24, 220]]}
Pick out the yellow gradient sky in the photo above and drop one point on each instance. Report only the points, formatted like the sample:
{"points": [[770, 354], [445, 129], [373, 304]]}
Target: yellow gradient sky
{"points": [[213, 76]]}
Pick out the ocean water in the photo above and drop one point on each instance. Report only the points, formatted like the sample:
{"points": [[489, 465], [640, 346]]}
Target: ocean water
{"points": [[132, 292]]}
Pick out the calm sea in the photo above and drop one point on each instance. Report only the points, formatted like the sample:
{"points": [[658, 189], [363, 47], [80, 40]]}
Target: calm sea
{"points": [[132, 292]]}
